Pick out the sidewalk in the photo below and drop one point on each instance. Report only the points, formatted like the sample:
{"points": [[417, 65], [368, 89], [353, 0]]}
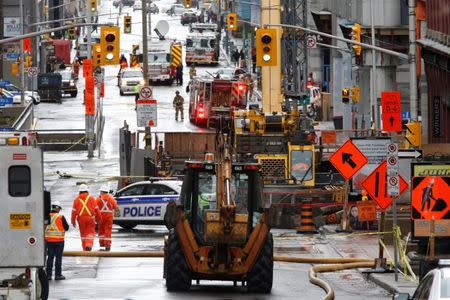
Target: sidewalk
{"points": [[356, 244]]}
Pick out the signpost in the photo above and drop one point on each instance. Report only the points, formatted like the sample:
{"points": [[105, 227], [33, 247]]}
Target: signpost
{"points": [[393, 189], [391, 111], [348, 159]]}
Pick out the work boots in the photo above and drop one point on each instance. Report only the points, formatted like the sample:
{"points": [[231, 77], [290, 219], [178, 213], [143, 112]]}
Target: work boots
{"points": [[59, 277]]}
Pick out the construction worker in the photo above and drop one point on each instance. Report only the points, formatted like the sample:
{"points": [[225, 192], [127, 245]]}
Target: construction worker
{"points": [[85, 211], [54, 236], [192, 71], [179, 74], [108, 207], [137, 90], [178, 102]]}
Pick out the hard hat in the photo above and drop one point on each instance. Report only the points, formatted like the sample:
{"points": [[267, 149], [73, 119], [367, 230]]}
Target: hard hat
{"points": [[104, 188], [83, 188], [56, 203]]}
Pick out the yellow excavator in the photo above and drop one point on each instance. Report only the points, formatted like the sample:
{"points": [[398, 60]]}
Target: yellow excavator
{"points": [[219, 229]]}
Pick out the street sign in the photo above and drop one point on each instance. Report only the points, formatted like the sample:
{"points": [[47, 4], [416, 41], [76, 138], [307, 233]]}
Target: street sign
{"points": [[409, 153], [348, 159], [147, 113], [430, 197], [311, 41], [89, 96], [146, 92], [391, 111], [87, 67], [375, 185], [32, 72], [393, 184]]}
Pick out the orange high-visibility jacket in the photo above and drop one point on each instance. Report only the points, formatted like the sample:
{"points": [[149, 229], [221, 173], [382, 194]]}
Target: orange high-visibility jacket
{"points": [[85, 205], [54, 232], [106, 203]]}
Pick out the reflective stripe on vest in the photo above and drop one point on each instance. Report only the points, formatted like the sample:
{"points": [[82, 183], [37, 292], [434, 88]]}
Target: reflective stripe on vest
{"points": [[105, 207], [84, 203], [52, 230]]}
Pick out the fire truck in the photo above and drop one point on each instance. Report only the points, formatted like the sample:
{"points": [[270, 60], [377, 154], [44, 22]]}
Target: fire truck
{"points": [[209, 97], [24, 211], [202, 48]]}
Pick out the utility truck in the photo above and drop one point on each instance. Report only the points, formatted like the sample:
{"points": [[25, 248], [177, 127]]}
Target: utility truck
{"points": [[23, 215]]}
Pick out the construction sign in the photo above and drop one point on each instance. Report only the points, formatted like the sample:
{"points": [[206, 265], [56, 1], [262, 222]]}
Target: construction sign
{"points": [[348, 159], [430, 198], [367, 211], [391, 111], [376, 186]]}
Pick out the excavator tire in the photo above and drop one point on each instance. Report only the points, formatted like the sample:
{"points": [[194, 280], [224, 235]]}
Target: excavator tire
{"points": [[259, 279], [178, 276]]}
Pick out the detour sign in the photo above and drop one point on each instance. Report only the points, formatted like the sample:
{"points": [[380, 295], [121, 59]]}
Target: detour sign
{"points": [[430, 198]]}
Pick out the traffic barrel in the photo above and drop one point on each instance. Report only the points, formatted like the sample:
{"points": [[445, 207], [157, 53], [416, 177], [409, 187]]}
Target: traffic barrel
{"points": [[306, 218]]}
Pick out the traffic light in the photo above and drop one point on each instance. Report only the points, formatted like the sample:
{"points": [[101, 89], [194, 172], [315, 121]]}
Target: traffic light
{"points": [[28, 61], [187, 3], [72, 33], [356, 92], [93, 5], [231, 21], [356, 35], [96, 54], [413, 134], [15, 69], [345, 95], [266, 47], [127, 24], [110, 45]]}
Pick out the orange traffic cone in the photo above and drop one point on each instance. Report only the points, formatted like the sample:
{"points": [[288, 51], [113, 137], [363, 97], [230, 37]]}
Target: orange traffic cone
{"points": [[306, 218]]}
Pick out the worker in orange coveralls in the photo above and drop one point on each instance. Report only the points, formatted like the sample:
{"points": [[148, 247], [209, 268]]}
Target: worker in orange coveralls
{"points": [[85, 211], [108, 206]]}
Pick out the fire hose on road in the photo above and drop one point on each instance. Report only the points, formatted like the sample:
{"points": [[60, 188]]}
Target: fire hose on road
{"points": [[332, 264]]}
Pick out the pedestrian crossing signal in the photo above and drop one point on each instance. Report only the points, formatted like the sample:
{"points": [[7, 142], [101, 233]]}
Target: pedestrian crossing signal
{"points": [[266, 47], [127, 24], [187, 3], [231, 21], [345, 95], [93, 5], [72, 33]]}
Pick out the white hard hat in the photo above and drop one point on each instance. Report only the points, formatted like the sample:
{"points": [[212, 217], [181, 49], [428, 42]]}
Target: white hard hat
{"points": [[56, 203], [83, 188], [104, 188]]}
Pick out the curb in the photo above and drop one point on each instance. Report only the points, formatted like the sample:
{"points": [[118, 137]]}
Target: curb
{"points": [[391, 289]]}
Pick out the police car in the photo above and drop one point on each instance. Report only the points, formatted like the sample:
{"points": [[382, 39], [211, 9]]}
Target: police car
{"points": [[145, 202]]}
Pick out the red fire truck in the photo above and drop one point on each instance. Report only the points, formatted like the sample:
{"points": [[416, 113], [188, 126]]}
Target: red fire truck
{"points": [[210, 97]]}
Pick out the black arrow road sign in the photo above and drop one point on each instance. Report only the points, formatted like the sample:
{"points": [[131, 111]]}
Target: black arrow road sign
{"points": [[347, 158], [409, 153], [391, 119]]}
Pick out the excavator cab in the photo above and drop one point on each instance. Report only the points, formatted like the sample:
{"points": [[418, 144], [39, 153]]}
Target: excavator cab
{"points": [[219, 228]]}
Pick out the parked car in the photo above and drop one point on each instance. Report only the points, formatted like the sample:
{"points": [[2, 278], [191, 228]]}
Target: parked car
{"points": [[188, 17], [176, 9], [68, 82], [153, 8], [145, 202], [433, 286], [9, 98], [128, 78], [5, 84]]}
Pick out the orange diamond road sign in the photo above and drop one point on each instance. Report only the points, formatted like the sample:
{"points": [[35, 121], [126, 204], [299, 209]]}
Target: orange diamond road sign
{"points": [[348, 159], [376, 186], [430, 198]]}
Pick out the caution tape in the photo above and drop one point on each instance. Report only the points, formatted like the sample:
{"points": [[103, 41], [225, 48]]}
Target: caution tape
{"points": [[360, 234], [76, 143]]}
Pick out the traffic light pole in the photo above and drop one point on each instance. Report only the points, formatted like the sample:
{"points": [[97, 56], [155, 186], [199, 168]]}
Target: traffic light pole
{"points": [[373, 82], [148, 134], [89, 117], [22, 57]]}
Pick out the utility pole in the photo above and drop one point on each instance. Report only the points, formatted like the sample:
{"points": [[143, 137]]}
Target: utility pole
{"points": [[22, 57], [148, 134], [412, 61], [373, 82], [149, 23]]}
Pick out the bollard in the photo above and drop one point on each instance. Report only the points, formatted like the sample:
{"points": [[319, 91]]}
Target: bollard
{"points": [[306, 218]]}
